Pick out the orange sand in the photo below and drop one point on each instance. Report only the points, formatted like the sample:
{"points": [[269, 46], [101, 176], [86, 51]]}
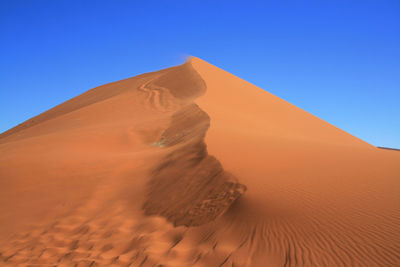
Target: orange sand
{"points": [[192, 166]]}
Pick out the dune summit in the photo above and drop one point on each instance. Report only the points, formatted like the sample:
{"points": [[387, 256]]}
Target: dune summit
{"points": [[192, 166]]}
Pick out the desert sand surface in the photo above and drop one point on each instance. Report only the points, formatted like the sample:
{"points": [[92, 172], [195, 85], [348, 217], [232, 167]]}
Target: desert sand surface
{"points": [[193, 166]]}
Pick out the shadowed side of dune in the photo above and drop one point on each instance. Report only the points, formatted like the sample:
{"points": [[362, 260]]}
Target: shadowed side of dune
{"points": [[188, 186]]}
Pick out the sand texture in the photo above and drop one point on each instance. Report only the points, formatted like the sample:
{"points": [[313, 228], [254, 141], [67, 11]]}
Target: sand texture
{"points": [[193, 166]]}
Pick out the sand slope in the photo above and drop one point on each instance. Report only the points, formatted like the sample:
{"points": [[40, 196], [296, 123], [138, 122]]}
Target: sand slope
{"points": [[192, 166]]}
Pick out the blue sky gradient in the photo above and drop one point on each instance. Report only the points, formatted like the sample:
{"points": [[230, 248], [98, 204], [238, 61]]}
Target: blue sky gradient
{"points": [[339, 60]]}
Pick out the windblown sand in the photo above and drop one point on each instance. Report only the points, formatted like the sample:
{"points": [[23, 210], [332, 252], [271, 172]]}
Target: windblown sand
{"points": [[192, 166]]}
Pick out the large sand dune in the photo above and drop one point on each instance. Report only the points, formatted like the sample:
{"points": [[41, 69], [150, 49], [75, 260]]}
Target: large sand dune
{"points": [[192, 166]]}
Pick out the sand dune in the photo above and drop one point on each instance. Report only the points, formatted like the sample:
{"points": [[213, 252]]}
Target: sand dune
{"points": [[192, 166]]}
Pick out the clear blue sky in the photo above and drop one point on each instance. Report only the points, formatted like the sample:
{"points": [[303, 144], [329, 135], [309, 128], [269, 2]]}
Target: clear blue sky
{"points": [[339, 60]]}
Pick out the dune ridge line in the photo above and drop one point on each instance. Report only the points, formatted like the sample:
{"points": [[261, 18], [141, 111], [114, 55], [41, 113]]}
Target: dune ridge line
{"points": [[189, 187]]}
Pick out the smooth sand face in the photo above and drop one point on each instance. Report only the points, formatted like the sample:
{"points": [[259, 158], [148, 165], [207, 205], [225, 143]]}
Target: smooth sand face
{"points": [[192, 166]]}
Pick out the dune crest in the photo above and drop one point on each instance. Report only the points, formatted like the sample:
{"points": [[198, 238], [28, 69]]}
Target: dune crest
{"points": [[190, 187], [193, 166]]}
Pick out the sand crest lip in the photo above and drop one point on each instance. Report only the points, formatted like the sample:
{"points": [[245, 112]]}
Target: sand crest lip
{"points": [[188, 186]]}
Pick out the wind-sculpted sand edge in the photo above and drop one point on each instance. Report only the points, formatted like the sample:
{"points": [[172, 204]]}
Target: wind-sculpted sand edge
{"points": [[189, 187]]}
